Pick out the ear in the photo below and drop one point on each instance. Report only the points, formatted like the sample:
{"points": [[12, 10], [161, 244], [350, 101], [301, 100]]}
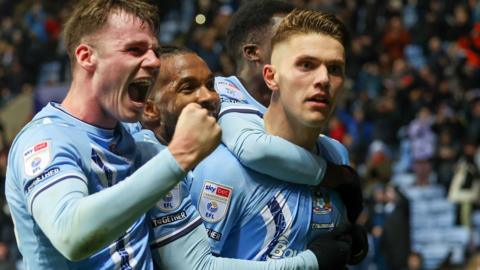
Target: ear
{"points": [[85, 57], [269, 77], [251, 52]]}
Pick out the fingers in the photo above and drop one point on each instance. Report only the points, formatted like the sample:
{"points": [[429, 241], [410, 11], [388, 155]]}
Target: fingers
{"points": [[196, 135]]}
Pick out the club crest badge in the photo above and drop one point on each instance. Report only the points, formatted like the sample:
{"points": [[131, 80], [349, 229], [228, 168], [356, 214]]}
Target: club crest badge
{"points": [[214, 201], [171, 201], [36, 158]]}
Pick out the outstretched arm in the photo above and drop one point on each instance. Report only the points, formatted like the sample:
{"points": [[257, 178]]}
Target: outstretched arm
{"points": [[62, 208], [192, 251]]}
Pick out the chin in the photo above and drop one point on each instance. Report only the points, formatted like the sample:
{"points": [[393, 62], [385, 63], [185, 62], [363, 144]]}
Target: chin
{"points": [[315, 123]]}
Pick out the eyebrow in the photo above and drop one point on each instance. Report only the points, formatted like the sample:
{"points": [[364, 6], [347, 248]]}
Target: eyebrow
{"points": [[193, 78], [316, 59], [142, 43]]}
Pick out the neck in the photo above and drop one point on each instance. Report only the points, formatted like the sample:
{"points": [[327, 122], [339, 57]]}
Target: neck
{"points": [[254, 85], [279, 123], [85, 107]]}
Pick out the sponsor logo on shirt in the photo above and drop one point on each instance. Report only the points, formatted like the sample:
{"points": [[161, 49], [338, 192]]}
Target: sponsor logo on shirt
{"points": [[37, 180], [282, 250], [171, 201], [317, 226], [36, 158], [214, 201], [214, 234], [168, 219], [230, 90]]}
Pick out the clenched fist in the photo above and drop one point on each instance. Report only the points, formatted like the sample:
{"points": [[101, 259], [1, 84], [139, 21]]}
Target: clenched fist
{"points": [[196, 135]]}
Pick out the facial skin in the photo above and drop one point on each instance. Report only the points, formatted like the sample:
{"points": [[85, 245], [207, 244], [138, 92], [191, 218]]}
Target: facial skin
{"points": [[116, 67], [306, 76], [184, 79]]}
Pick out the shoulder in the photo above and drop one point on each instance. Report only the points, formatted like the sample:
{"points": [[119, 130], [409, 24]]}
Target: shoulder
{"points": [[221, 164], [147, 145], [230, 90]]}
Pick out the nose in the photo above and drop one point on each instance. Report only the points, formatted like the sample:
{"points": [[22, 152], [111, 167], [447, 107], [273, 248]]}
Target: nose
{"points": [[207, 98], [151, 61], [322, 78]]}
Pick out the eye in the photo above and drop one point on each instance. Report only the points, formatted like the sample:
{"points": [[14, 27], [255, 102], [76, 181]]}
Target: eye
{"points": [[187, 88], [137, 51], [306, 65], [336, 70]]}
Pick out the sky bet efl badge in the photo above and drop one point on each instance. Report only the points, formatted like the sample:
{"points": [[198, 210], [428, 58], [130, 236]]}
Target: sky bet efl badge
{"points": [[171, 201], [36, 158], [214, 201]]}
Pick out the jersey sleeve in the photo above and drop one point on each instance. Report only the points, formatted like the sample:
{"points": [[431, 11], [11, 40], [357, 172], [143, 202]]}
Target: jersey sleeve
{"points": [[244, 135], [40, 161], [217, 194], [192, 251]]}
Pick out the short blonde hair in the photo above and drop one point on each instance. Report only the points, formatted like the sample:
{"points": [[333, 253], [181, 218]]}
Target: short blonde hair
{"points": [[302, 21]]}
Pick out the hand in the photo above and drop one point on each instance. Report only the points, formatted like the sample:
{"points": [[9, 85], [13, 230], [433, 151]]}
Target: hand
{"points": [[332, 249], [351, 193], [338, 175], [196, 135], [359, 245], [344, 179]]}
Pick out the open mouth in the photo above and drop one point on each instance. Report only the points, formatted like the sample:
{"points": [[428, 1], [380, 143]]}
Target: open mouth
{"points": [[138, 89]]}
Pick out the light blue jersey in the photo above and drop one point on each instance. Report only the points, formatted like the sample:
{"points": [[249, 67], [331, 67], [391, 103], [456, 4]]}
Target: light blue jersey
{"points": [[250, 215], [178, 238], [174, 215], [56, 149]]}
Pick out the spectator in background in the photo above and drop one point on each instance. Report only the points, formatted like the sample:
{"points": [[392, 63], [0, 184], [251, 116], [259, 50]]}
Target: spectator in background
{"points": [[415, 261], [395, 38], [395, 238], [465, 185], [473, 128], [423, 145]]}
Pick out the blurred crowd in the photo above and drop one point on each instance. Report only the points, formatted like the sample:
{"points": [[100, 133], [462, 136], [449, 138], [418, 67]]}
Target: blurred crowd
{"points": [[410, 115]]}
